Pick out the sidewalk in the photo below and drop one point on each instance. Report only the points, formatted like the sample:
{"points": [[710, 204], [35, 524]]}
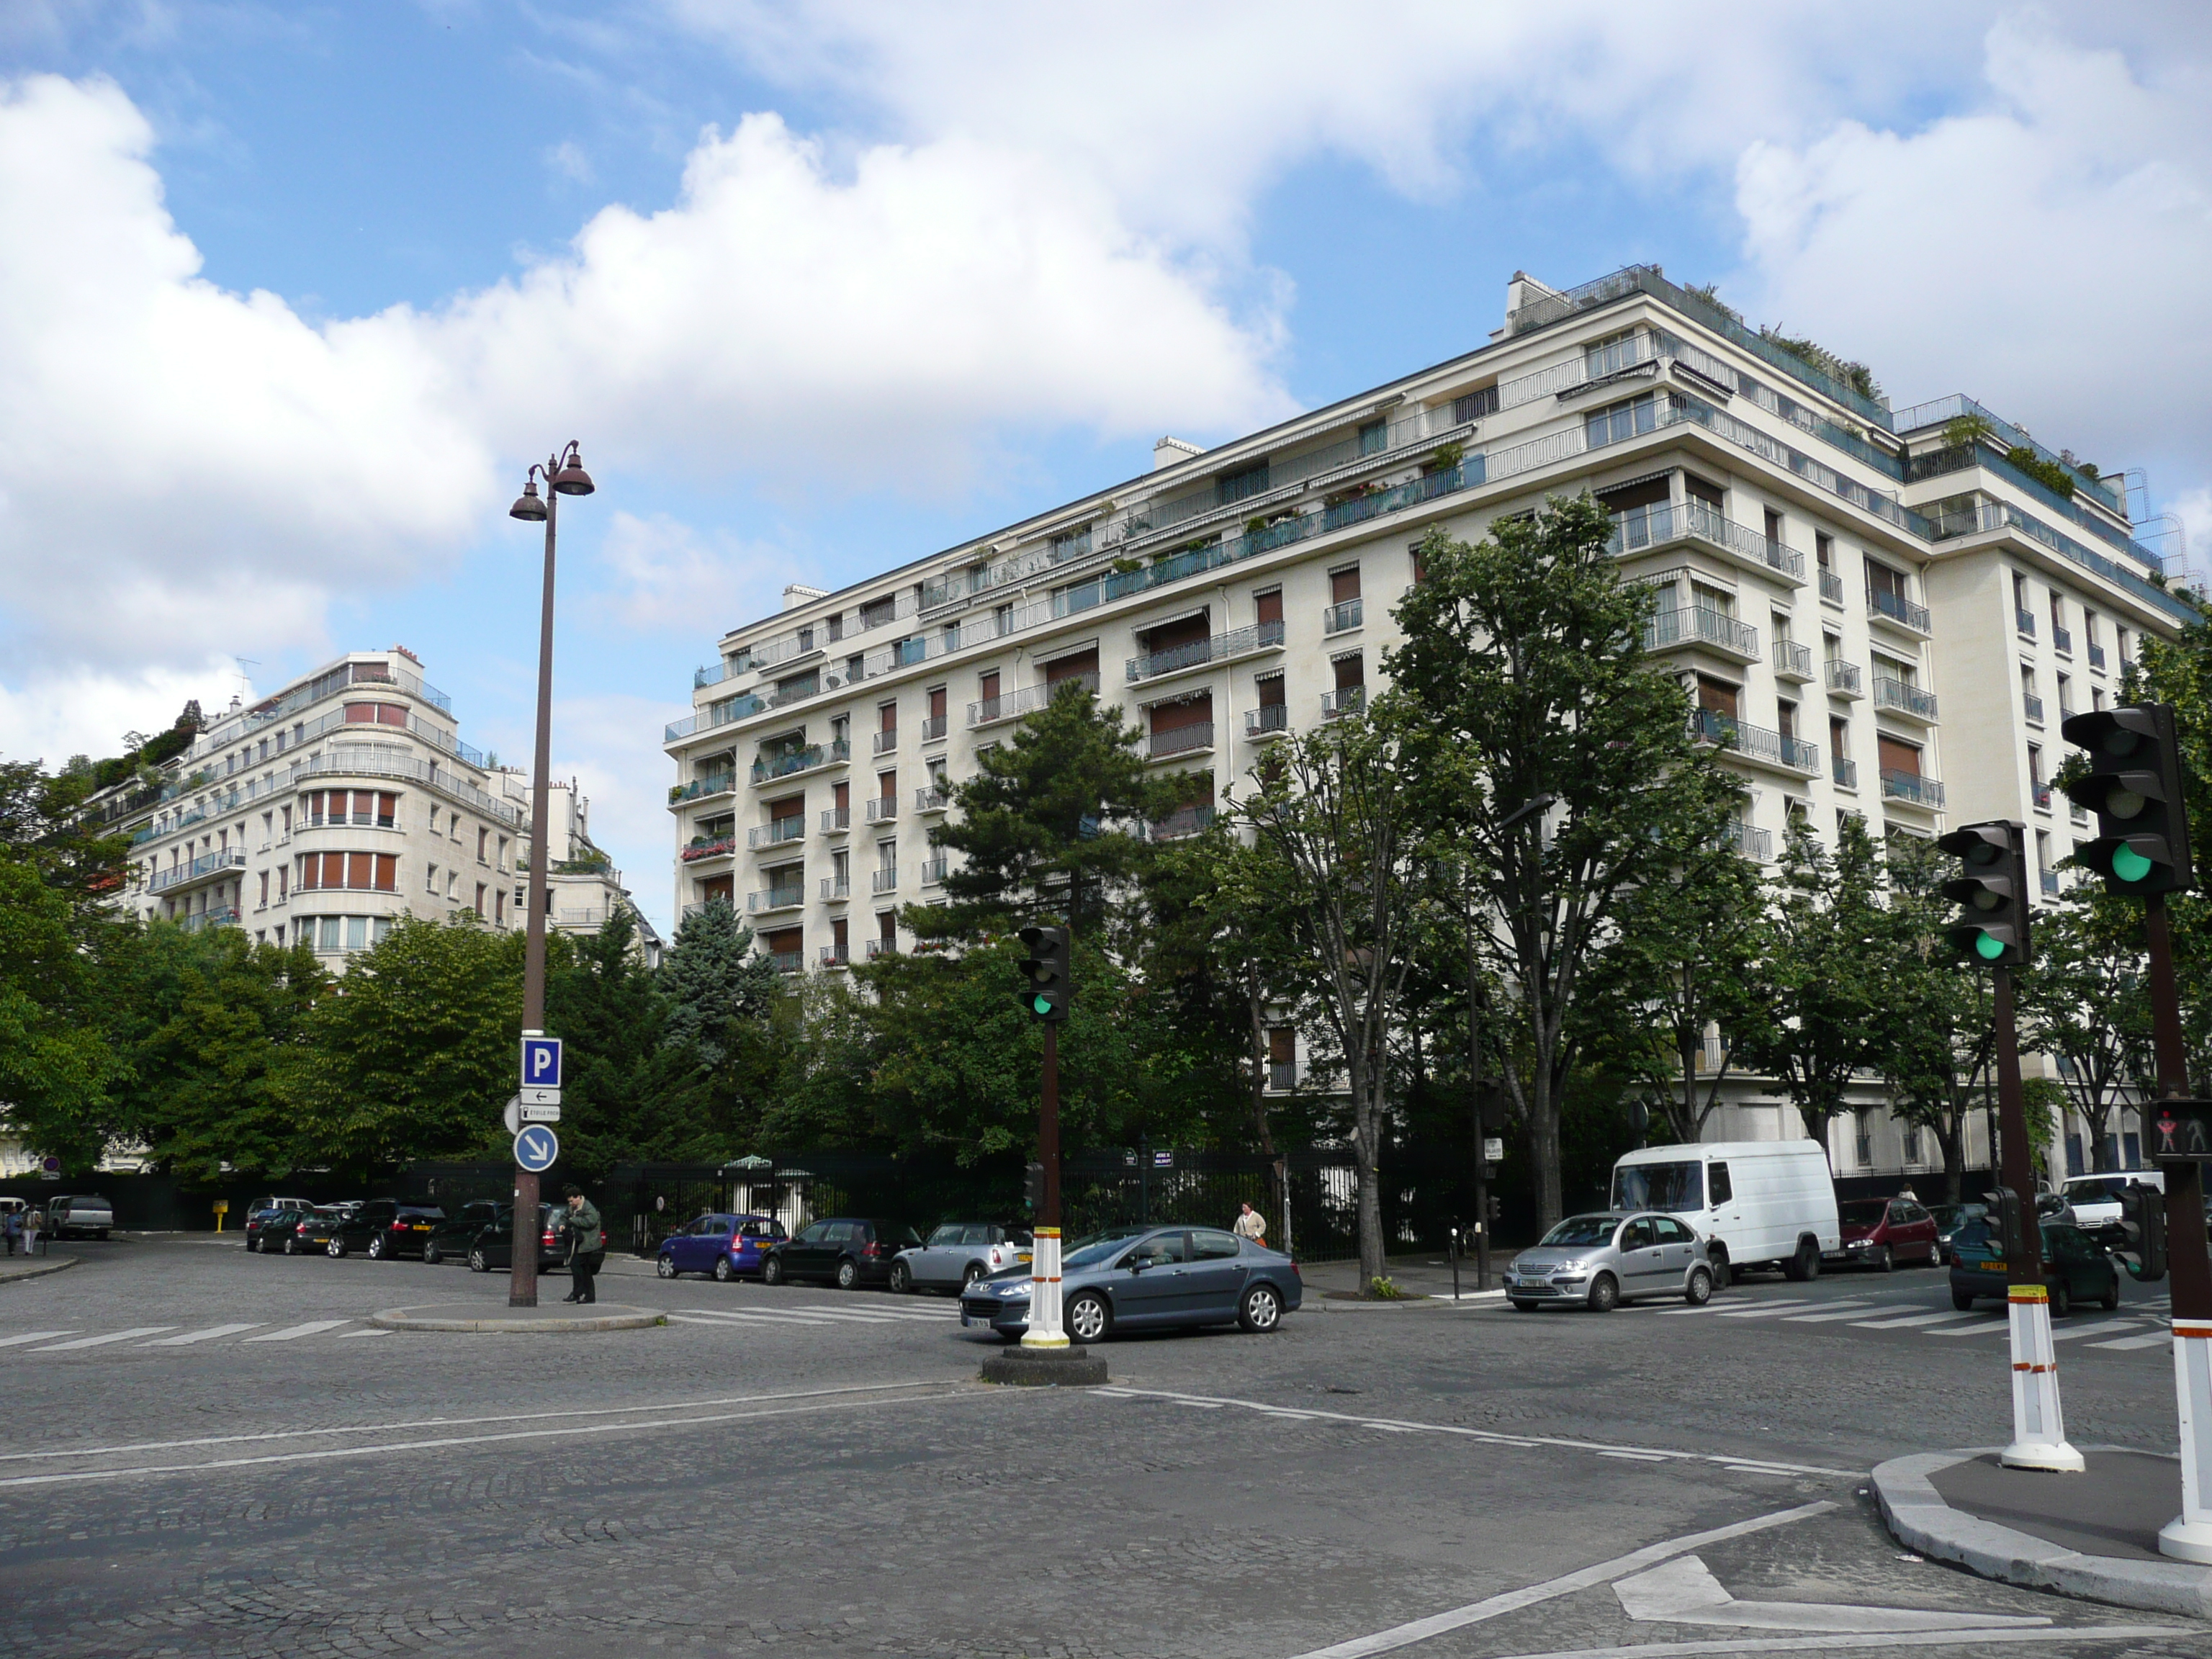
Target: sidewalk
{"points": [[2092, 1534], [1426, 1279]]}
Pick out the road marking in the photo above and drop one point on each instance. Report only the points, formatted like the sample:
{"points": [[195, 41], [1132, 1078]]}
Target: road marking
{"points": [[1640, 1456], [1824, 1318], [293, 1333], [1684, 1591], [1772, 1309], [2154, 1339], [349, 1336], [207, 1335], [1987, 1327], [31, 1336], [102, 1341], [736, 1321], [2102, 1328], [1774, 1305], [949, 1312], [1756, 1647], [1476, 1612], [1886, 1324]]}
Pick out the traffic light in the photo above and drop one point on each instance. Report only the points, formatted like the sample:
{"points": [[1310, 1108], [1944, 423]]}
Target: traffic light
{"points": [[1033, 1186], [1991, 930], [2008, 1223], [2134, 784], [1045, 967], [1491, 1209], [2142, 1222]]}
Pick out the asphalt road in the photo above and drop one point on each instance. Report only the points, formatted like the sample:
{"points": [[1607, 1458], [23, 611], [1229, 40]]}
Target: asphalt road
{"points": [[206, 1452]]}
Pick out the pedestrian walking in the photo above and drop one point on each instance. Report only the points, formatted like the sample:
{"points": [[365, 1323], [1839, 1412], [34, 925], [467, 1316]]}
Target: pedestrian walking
{"points": [[586, 1247], [1253, 1226], [12, 1225], [35, 1223]]}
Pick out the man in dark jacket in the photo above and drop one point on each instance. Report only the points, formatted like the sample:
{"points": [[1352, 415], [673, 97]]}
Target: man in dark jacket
{"points": [[587, 1249]]}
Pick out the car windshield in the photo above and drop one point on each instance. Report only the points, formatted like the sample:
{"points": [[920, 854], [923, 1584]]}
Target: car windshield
{"points": [[1948, 1217], [2096, 1189], [1095, 1248], [1862, 1212], [950, 1233], [1659, 1187], [1585, 1229]]}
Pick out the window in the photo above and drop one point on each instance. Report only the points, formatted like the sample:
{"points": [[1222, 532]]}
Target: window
{"points": [[483, 846], [2065, 696], [480, 898], [1698, 490], [356, 933], [1773, 525], [1901, 758], [374, 872], [433, 820], [430, 879], [502, 852], [1620, 422], [1723, 1193], [2120, 644], [1824, 550], [1350, 669], [876, 612], [1241, 484], [1785, 718], [887, 785], [265, 891], [1881, 580], [1864, 1149], [987, 689], [1911, 1156], [1268, 607], [2035, 765], [2096, 696], [327, 932], [1343, 584], [498, 906], [1374, 437], [1207, 1245]]}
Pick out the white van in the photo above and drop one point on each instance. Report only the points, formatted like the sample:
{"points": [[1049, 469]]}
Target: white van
{"points": [[2095, 1199], [1759, 1203]]}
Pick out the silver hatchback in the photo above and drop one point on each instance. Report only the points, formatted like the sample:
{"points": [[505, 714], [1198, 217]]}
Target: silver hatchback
{"points": [[1609, 1256]]}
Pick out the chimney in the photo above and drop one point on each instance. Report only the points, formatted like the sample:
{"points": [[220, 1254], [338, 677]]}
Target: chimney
{"points": [[798, 594], [1170, 451]]}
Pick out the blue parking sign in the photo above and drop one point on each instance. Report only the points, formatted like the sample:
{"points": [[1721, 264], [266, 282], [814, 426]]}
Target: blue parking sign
{"points": [[536, 1148], [541, 1062]]}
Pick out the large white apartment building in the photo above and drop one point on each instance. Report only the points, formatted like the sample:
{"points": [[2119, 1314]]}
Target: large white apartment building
{"points": [[1885, 624]]}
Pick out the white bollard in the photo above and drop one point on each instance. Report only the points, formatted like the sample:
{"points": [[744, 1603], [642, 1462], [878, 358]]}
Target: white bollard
{"points": [[2038, 1427], [2188, 1536], [1045, 1331]]}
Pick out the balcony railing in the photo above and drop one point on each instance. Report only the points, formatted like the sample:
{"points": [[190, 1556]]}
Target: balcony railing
{"points": [[931, 800], [2096, 654], [1699, 624], [1183, 822], [2023, 621], [1906, 698], [1261, 636], [1342, 618], [715, 783], [933, 872], [770, 767], [1792, 661], [2062, 640], [1267, 720], [882, 947], [1844, 677], [1664, 521], [208, 864], [1832, 588], [837, 820], [1895, 607], [776, 898], [1026, 700], [786, 962], [835, 888], [1181, 740], [1911, 787], [1345, 700], [2041, 794], [1749, 839], [883, 743], [933, 729], [884, 881], [1282, 1075], [225, 916], [1845, 771], [1754, 742], [776, 834], [720, 846], [2033, 705], [884, 809], [833, 955]]}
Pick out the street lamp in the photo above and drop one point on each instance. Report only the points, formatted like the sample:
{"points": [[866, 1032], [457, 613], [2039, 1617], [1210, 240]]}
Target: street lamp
{"points": [[1533, 804], [564, 475]]}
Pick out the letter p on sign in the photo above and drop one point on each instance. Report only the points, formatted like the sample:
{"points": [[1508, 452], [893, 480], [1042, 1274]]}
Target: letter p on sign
{"points": [[541, 1062]]}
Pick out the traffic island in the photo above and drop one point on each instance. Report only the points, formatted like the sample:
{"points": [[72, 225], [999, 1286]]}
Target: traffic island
{"points": [[497, 1319], [1069, 1367], [2093, 1535]]}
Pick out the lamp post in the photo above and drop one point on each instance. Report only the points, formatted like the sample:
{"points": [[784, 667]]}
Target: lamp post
{"points": [[564, 475]]}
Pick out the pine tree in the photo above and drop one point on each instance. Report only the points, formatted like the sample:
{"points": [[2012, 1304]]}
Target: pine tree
{"points": [[716, 981]]}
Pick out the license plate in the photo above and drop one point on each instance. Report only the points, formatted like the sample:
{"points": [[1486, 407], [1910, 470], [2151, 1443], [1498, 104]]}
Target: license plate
{"points": [[1995, 1267]]}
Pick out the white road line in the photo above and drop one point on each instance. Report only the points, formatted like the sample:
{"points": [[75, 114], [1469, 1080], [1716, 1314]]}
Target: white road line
{"points": [[1988, 1326], [1640, 1456], [1476, 1612], [1824, 1318], [1774, 1310], [293, 1333], [31, 1336], [1775, 1305], [207, 1335], [1912, 1321], [2102, 1328], [2154, 1339], [102, 1341], [738, 1322], [1922, 1639], [349, 1336]]}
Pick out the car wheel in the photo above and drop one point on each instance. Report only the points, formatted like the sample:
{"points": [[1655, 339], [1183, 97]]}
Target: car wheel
{"points": [[1803, 1266], [1261, 1311], [1699, 1290], [335, 1249], [1519, 1306], [1962, 1300], [476, 1262], [1604, 1293], [1887, 1260], [432, 1256], [849, 1274], [252, 1245], [772, 1271], [292, 1246], [724, 1272], [2062, 1300], [665, 1267], [902, 1278], [2110, 1299], [975, 1272], [376, 1247], [1088, 1317], [1720, 1270]]}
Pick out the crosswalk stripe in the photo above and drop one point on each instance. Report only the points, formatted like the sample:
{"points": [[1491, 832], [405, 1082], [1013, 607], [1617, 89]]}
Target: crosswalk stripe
{"points": [[31, 1336], [2102, 1328], [292, 1333], [1911, 1321], [1999, 1325], [734, 1322], [1769, 1311], [366, 1332], [2151, 1339], [102, 1341], [871, 1313], [1824, 1318], [207, 1335]]}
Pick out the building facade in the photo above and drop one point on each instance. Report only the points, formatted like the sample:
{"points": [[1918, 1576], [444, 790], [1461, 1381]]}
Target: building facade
{"points": [[1872, 617]]}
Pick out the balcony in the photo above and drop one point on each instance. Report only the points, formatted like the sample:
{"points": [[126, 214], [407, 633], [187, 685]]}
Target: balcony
{"points": [[769, 767], [933, 729], [1183, 822], [1697, 624], [1755, 743], [837, 820], [884, 881], [931, 799], [207, 865], [2034, 706], [883, 743], [1792, 661], [225, 917], [715, 783], [2062, 640], [833, 955], [1749, 839], [933, 872], [1027, 701], [882, 947], [1883, 606], [1912, 788], [720, 846], [765, 899], [1269, 719], [1843, 678], [2041, 794], [786, 962], [2023, 621], [884, 809], [1180, 740], [1845, 771], [1342, 618], [1156, 664], [2096, 655], [835, 889], [1832, 588], [1345, 700], [1664, 522], [1902, 697], [776, 834], [1282, 1076]]}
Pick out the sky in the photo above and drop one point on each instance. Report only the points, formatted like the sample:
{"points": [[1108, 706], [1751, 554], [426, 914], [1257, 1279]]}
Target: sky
{"points": [[291, 295]]}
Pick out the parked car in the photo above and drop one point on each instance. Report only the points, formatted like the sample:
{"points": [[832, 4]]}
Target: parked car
{"points": [[1755, 1203], [2075, 1268], [494, 1244], [2095, 1199], [79, 1218], [270, 1221], [1880, 1232], [314, 1230], [849, 1251], [1601, 1260], [957, 1254], [1148, 1279], [1949, 1218], [386, 1227], [725, 1245], [453, 1235]]}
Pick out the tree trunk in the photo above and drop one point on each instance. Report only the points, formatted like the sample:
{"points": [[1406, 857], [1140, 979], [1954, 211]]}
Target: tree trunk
{"points": [[1260, 1061], [1544, 1153], [1367, 1152]]}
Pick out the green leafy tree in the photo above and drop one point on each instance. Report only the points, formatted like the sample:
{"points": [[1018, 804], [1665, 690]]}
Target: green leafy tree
{"points": [[2085, 1000], [1941, 1016], [625, 1096], [1525, 673], [58, 1066], [717, 985]]}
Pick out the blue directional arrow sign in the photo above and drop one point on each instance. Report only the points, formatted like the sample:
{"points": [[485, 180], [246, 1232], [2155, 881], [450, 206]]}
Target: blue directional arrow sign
{"points": [[541, 1062], [536, 1148]]}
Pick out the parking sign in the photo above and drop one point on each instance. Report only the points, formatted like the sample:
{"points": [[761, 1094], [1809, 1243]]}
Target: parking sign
{"points": [[541, 1062]]}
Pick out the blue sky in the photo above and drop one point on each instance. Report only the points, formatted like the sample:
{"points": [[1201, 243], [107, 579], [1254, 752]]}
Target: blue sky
{"points": [[290, 294]]}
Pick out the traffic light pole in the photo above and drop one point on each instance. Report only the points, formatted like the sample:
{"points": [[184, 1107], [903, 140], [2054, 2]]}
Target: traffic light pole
{"points": [[1045, 1330], [2188, 1536], [2039, 1424]]}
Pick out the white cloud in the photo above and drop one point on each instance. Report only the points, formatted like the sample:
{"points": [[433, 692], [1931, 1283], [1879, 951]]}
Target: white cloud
{"points": [[87, 711], [665, 579], [604, 742]]}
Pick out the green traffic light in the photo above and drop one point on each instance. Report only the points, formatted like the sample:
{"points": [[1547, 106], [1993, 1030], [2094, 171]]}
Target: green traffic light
{"points": [[2128, 865], [1042, 1005], [1988, 947]]}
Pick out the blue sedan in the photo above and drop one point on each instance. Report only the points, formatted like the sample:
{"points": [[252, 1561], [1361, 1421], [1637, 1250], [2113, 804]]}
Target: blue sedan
{"points": [[1148, 1279], [727, 1246]]}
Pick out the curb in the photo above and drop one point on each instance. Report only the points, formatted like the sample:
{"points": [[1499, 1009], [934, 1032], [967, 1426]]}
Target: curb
{"points": [[444, 1319], [1917, 1516], [1330, 1304], [1072, 1367], [9, 1275]]}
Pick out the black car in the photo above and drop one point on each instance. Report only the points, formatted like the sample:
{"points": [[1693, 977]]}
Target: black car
{"points": [[386, 1227], [494, 1244], [317, 1228], [848, 1251], [453, 1236], [2075, 1268], [269, 1223]]}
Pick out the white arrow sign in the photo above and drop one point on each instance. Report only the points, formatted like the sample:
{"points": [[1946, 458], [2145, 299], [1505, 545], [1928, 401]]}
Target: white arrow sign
{"points": [[534, 1096], [1685, 1592]]}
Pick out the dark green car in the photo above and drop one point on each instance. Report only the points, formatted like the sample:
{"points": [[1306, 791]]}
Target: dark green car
{"points": [[2075, 1268]]}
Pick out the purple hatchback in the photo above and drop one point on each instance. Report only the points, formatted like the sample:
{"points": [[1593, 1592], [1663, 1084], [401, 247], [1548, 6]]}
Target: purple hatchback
{"points": [[727, 1246]]}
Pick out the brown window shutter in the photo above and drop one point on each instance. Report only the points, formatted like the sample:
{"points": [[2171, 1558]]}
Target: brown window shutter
{"points": [[1898, 757], [1343, 585], [387, 873]]}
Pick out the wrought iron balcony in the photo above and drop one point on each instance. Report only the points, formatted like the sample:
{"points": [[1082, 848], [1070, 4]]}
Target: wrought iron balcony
{"points": [[787, 962], [719, 847], [776, 833], [2034, 706], [793, 763], [933, 729], [1261, 636], [2062, 640], [1343, 619], [882, 947], [715, 783], [1024, 701], [224, 916], [2096, 654], [2023, 621], [1749, 839], [884, 881], [2040, 792], [933, 872], [207, 865], [1883, 605], [931, 799], [1912, 787], [1345, 700], [1269, 719], [1845, 771], [776, 898], [1699, 624], [835, 888], [1832, 588], [1903, 697], [885, 741], [884, 809], [1183, 822], [1792, 661], [833, 955], [1663, 521], [1843, 679], [1182, 740], [837, 820]]}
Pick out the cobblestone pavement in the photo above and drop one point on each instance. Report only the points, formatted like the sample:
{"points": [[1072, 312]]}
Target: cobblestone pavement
{"points": [[812, 1472]]}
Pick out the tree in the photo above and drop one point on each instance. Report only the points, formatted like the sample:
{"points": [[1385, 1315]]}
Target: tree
{"points": [[1525, 675], [626, 1094], [57, 1065], [1828, 975], [2085, 998], [716, 982], [1940, 1012]]}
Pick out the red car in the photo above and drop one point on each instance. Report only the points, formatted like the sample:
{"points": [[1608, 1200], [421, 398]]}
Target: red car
{"points": [[1880, 1232]]}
